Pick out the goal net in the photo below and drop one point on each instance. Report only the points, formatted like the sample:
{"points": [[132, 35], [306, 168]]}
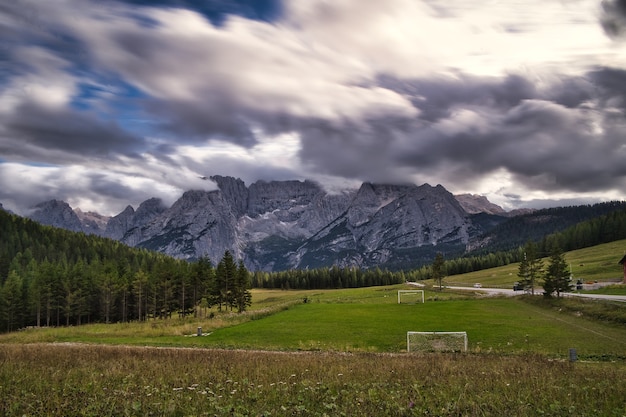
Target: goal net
{"points": [[436, 341], [411, 296]]}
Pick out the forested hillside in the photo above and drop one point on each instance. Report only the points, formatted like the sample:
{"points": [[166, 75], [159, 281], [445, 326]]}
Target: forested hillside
{"points": [[51, 276], [518, 230], [602, 229]]}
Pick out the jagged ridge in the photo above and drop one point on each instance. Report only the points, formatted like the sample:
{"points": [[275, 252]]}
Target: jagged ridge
{"points": [[276, 225]]}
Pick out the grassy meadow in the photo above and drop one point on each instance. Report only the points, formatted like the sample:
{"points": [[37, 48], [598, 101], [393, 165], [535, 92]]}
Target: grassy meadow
{"points": [[597, 263], [73, 380], [342, 352]]}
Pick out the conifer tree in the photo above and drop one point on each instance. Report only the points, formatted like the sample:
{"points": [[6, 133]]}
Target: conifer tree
{"points": [[12, 301], [557, 276], [243, 297], [437, 269], [530, 267], [139, 285], [224, 280]]}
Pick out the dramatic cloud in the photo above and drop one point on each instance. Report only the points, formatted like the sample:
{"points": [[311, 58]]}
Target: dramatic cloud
{"points": [[614, 18], [110, 103]]}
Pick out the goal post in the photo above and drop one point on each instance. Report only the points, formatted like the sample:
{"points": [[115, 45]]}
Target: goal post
{"points": [[418, 293], [436, 341]]}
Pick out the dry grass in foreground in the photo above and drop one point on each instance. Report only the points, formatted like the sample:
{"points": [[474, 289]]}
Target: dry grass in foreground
{"points": [[66, 379]]}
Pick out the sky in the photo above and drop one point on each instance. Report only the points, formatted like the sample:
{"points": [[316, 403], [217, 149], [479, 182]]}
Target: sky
{"points": [[108, 103]]}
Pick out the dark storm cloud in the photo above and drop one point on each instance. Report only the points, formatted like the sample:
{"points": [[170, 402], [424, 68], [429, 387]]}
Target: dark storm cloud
{"points": [[198, 120], [350, 151], [62, 133], [436, 98], [557, 137], [611, 86], [613, 18]]}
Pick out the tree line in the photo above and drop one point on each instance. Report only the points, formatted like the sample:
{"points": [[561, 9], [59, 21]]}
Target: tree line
{"points": [[53, 277], [326, 278]]}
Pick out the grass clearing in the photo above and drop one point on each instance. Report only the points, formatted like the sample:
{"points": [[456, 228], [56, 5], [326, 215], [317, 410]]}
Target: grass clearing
{"points": [[137, 381], [597, 263], [365, 320], [501, 325]]}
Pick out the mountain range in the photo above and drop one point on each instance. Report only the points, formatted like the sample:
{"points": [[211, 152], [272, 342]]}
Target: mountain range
{"points": [[278, 225]]}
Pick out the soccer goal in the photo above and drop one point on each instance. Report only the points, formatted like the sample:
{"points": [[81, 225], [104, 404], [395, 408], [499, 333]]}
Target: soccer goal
{"points": [[415, 296], [436, 341]]}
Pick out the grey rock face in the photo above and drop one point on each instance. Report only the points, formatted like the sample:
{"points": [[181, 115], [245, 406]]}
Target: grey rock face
{"points": [[128, 225], [384, 220], [234, 193], [58, 214], [276, 225], [120, 224], [473, 204], [92, 223], [200, 223]]}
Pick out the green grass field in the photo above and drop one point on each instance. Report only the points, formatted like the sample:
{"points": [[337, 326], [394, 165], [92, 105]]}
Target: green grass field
{"points": [[363, 320], [597, 263], [493, 325]]}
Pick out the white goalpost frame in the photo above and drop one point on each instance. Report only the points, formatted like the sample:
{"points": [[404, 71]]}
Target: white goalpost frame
{"points": [[400, 292], [408, 338]]}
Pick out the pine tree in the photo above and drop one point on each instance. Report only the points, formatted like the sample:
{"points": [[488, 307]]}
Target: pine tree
{"points": [[202, 277], [530, 267], [139, 285], [557, 278], [224, 280], [11, 296], [243, 297], [437, 270]]}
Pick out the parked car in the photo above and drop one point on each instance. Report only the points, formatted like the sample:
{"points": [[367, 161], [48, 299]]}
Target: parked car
{"points": [[478, 285]]}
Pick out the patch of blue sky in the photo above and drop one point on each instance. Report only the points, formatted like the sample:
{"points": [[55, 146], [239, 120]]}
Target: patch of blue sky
{"points": [[38, 164], [217, 11], [95, 90], [114, 100]]}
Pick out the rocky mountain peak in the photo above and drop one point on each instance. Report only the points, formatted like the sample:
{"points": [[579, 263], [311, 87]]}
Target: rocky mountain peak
{"points": [[58, 214], [148, 210], [473, 204], [266, 197], [234, 192], [92, 222], [276, 225]]}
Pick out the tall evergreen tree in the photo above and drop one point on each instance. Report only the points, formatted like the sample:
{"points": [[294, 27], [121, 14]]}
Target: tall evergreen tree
{"points": [[12, 300], [242, 296], [557, 276], [140, 284], [224, 280], [530, 268], [437, 269], [202, 278]]}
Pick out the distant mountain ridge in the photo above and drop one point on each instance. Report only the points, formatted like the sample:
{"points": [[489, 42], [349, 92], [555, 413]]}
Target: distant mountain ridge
{"points": [[279, 225], [276, 225]]}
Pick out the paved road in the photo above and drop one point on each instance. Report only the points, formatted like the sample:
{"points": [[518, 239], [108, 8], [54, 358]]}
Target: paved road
{"points": [[510, 292], [621, 298]]}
